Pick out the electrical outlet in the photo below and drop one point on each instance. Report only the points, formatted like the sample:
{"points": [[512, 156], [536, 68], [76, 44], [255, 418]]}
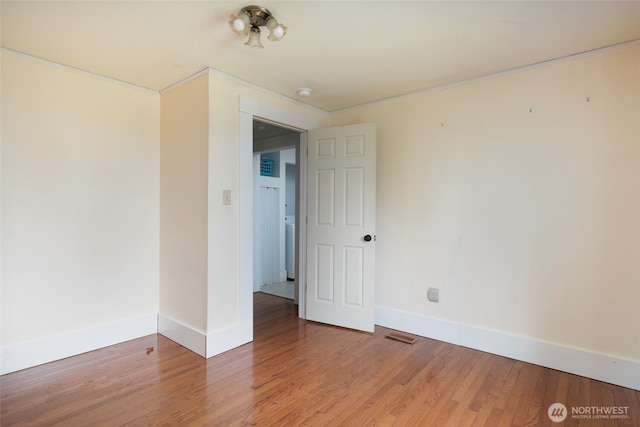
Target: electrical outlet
{"points": [[433, 294]]}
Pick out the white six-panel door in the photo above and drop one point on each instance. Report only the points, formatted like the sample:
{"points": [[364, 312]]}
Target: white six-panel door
{"points": [[341, 224]]}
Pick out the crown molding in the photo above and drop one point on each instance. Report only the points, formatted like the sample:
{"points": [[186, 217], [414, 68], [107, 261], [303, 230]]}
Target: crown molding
{"points": [[76, 70], [493, 75]]}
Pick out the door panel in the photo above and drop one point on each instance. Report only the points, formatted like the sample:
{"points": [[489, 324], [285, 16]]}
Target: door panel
{"points": [[325, 193], [341, 211], [353, 277], [354, 197], [324, 273]]}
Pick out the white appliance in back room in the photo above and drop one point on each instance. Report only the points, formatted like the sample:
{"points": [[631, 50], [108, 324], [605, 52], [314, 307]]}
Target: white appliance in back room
{"points": [[290, 246]]}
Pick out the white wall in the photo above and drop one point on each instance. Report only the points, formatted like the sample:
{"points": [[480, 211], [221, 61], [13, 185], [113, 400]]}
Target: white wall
{"points": [[184, 150], [226, 155], [201, 303], [80, 191], [515, 196], [519, 198]]}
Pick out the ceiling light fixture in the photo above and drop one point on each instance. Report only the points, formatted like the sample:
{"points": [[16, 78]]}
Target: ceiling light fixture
{"points": [[248, 23]]}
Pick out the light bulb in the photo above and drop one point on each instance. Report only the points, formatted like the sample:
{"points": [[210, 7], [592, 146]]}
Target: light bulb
{"points": [[276, 30], [238, 25]]}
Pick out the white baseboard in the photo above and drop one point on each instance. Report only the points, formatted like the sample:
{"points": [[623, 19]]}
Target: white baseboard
{"points": [[184, 335], [614, 370], [598, 366], [26, 355], [228, 338], [206, 345]]}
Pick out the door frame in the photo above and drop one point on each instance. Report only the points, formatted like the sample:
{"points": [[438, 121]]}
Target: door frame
{"points": [[248, 110]]}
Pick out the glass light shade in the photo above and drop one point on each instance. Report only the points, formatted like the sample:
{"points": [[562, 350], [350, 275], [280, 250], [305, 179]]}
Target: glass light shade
{"points": [[276, 30], [254, 38], [240, 24]]}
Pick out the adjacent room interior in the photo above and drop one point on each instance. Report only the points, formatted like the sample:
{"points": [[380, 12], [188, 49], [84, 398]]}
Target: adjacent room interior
{"points": [[275, 206]]}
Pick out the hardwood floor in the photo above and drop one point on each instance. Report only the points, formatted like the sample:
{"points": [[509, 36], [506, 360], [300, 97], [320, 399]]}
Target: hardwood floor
{"points": [[300, 373]]}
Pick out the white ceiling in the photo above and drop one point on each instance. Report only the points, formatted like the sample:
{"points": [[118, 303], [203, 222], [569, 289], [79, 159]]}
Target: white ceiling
{"points": [[347, 52]]}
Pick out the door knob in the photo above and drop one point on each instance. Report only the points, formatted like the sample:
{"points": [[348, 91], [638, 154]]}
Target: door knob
{"points": [[367, 238]]}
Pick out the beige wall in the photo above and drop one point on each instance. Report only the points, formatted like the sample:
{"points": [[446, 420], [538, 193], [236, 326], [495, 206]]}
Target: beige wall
{"points": [[80, 191], [520, 200], [515, 196], [184, 151], [199, 235], [224, 171]]}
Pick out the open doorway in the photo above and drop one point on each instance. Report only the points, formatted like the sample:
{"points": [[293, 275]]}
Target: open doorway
{"points": [[276, 179], [250, 109]]}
